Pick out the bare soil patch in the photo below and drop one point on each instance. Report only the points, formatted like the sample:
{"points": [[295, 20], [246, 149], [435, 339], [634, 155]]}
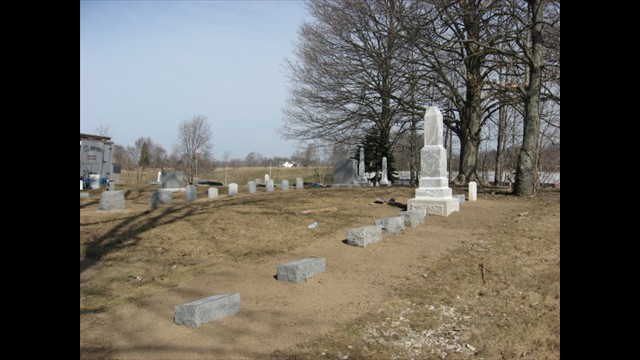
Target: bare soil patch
{"points": [[483, 282]]}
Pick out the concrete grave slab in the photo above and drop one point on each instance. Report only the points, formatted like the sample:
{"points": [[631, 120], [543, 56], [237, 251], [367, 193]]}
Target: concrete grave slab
{"points": [[364, 235], [198, 312], [300, 270]]}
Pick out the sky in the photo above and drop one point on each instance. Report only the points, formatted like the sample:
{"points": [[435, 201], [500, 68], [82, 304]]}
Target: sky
{"points": [[146, 66]]}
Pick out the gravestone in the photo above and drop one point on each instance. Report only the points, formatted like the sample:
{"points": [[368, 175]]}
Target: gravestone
{"points": [[384, 180], [190, 194], [269, 186], [81, 184], [413, 217], [233, 189], [344, 173], [172, 180], [111, 200], [211, 308], [364, 235], [362, 179], [84, 195], [252, 187], [161, 197], [391, 225], [111, 185], [301, 270], [266, 178], [213, 193], [433, 193], [284, 185], [473, 191], [299, 184]]}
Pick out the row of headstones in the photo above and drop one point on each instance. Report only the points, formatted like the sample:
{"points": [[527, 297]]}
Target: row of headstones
{"points": [[114, 200], [196, 313], [164, 196]]}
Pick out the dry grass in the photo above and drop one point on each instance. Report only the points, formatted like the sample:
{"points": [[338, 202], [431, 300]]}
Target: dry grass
{"points": [[496, 296]]}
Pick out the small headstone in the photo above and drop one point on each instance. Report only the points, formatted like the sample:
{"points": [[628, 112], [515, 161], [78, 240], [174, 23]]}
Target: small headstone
{"points": [[111, 200], [233, 189], [161, 197], [84, 195], [212, 192], [473, 191], [284, 185], [215, 307], [392, 225], [269, 185], [81, 185], [252, 187], [301, 270], [413, 217], [299, 184], [190, 194], [266, 178], [364, 235], [111, 186], [159, 177]]}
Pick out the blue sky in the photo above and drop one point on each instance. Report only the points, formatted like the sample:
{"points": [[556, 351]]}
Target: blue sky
{"points": [[145, 66]]}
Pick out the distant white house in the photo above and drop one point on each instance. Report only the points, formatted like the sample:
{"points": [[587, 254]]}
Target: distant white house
{"points": [[289, 164]]}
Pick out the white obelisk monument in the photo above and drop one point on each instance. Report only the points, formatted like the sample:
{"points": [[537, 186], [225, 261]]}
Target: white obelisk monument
{"points": [[433, 193]]}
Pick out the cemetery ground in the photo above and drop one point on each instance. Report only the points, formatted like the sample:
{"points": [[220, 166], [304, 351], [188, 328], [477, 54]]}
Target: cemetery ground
{"points": [[482, 283]]}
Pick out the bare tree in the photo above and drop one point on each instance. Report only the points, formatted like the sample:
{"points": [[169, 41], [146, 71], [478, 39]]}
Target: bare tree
{"points": [[102, 130], [347, 79], [254, 159], [194, 136]]}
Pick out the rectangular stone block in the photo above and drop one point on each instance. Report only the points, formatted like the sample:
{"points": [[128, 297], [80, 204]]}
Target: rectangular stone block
{"points": [[211, 308], [84, 195], [301, 270], [364, 235], [392, 225], [413, 217], [111, 200]]}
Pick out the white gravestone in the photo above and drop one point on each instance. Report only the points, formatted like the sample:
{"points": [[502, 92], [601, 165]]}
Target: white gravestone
{"points": [[269, 186], [433, 193], [252, 187], [233, 189], [299, 184], [284, 185], [384, 180], [473, 191]]}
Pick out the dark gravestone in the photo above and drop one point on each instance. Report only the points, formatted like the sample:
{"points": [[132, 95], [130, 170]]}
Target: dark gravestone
{"points": [[345, 172]]}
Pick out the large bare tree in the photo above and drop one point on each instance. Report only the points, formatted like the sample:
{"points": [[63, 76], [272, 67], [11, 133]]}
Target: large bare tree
{"points": [[194, 140], [347, 79]]}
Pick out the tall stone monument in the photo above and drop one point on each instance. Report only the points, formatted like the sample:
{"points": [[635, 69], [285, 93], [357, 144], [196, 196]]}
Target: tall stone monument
{"points": [[362, 179], [433, 193], [384, 180]]}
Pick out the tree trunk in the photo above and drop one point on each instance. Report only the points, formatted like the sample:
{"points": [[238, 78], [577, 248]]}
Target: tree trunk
{"points": [[502, 124], [526, 170], [469, 134]]}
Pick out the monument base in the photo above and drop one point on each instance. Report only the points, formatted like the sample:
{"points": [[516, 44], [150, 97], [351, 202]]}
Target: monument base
{"points": [[434, 206]]}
